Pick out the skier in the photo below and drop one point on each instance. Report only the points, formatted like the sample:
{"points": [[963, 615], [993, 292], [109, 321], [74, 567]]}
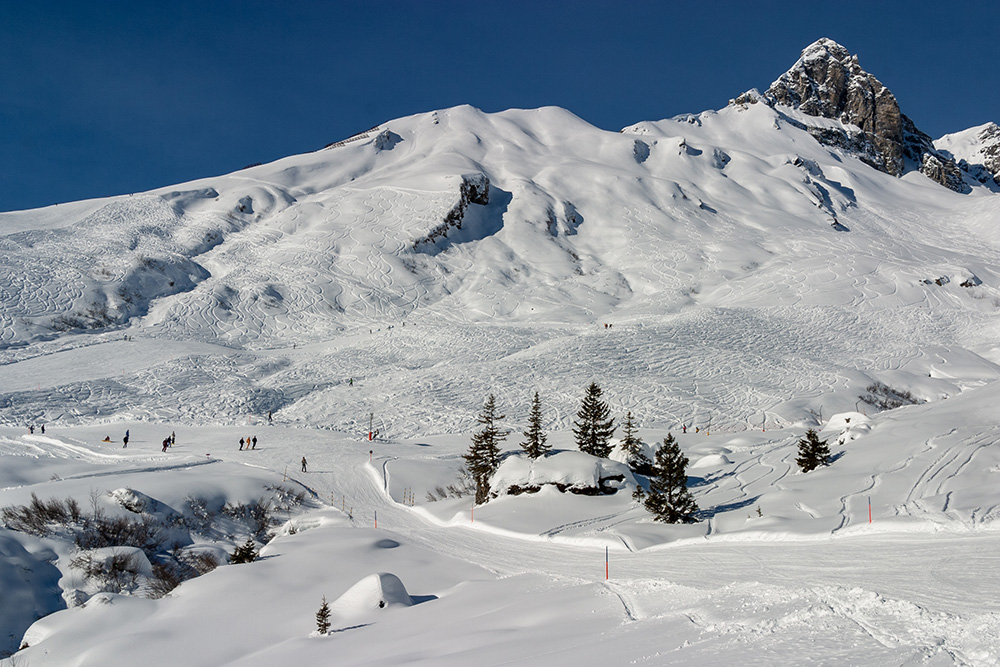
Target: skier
{"points": [[43, 429], [125, 440], [31, 428], [254, 443], [351, 383], [173, 438], [241, 444], [304, 464], [166, 443], [684, 428], [268, 416]]}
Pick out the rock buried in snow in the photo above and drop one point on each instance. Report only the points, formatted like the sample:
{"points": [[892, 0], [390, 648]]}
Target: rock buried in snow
{"points": [[374, 592]]}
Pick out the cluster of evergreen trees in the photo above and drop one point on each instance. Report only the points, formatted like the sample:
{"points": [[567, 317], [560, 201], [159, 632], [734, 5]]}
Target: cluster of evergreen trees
{"points": [[668, 499]]}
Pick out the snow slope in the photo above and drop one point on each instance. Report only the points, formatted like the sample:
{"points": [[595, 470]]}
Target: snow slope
{"points": [[721, 271]]}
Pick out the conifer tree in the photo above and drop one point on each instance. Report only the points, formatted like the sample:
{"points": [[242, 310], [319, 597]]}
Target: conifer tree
{"points": [[632, 447], [595, 427], [323, 618], [534, 438], [813, 452], [483, 457], [669, 499], [247, 553]]}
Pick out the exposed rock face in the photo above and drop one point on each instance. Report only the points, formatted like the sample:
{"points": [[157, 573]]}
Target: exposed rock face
{"points": [[474, 189], [990, 138], [827, 81]]}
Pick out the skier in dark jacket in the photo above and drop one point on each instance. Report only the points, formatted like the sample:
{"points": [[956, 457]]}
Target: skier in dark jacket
{"points": [[254, 441], [241, 444], [304, 464]]}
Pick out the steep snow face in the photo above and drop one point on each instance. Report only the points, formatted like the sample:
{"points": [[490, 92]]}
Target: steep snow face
{"points": [[977, 151]]}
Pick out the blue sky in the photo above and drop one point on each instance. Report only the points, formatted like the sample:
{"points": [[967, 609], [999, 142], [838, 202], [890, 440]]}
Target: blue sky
{"points": [[102, 98]]}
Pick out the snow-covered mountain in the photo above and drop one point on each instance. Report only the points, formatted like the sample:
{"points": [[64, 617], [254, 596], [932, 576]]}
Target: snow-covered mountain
{"points": [[757, 238], [802, 258], [977, 151]]}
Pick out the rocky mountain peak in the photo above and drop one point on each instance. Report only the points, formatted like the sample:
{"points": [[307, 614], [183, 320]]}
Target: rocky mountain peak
{"points": [[827, 81]]}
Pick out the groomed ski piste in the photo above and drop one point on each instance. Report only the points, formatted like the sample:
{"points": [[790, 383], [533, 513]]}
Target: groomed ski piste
{"points": [[722, 276]]}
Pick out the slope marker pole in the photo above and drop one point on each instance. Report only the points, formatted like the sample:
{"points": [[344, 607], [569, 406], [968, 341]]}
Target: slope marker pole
{"points": [[607, 571], [869, 509]]}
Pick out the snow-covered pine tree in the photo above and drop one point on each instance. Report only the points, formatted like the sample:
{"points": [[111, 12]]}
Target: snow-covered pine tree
{"points": [[813, 452], [247, 553], [323, 617], [594, 430], [669, 499], [483, 457], [534, 438], [632, 447]]}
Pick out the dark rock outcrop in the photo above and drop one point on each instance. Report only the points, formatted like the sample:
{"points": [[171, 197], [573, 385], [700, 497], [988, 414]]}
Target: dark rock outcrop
{"points": [[828, 82], [474, 189]]}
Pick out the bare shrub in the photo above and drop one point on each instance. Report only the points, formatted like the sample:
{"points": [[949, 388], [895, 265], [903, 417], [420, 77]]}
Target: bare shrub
{"points": [[144, 532], [257, 514], [166, 577], [116, 574], [36, 517], [884, 397]]}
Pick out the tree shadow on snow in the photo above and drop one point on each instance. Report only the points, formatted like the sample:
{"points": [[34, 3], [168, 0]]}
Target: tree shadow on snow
{"points": [[729, 507]]}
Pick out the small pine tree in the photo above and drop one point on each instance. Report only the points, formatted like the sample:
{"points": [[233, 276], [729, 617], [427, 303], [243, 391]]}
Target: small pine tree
{"points": [[483, 457], [323, 618], [247, 553], [594, 430], [813, 452], [534, 438], [632, 447], [669, 499]]}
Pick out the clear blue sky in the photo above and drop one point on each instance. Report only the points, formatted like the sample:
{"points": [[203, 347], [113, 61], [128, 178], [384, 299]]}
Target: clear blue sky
{"points": [[102, 98]]}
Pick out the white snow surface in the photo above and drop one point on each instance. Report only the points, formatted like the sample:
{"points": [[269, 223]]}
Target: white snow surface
{"points": [[720, 272]]}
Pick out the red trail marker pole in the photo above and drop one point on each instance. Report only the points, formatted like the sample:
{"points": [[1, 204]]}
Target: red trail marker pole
{"points": [[869, 509], [607, 572], [376, 518]]}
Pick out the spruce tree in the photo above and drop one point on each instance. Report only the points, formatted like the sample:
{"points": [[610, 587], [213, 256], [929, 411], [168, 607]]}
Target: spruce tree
{"points": [[483, 457], [594, 430], [323, 618], [534, 438], [813, 452], [632, 447], [669, 499], [247, 553]]}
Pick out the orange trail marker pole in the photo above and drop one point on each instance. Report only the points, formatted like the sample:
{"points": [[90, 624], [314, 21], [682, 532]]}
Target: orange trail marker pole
{"points": [[607, 571]]}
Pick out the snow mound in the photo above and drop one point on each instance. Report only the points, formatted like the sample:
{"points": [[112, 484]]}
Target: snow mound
{"points": [[568, 471], [376, 591], [846, 420], [711, 461]]}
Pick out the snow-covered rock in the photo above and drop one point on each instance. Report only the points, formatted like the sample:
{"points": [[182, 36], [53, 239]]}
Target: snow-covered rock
{"points": [[573, 472]]}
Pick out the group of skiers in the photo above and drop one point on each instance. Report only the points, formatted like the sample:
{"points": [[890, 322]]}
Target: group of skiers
{"points": [[248, 442], [31, 428], [169, 440]]}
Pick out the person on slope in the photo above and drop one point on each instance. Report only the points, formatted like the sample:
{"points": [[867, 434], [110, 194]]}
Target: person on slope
{"points": [[254, 440], [304, 464], [241, 444]]}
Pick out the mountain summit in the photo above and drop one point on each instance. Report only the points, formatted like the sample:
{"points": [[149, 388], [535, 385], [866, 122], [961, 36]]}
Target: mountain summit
{"points": [[827, 81]]}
